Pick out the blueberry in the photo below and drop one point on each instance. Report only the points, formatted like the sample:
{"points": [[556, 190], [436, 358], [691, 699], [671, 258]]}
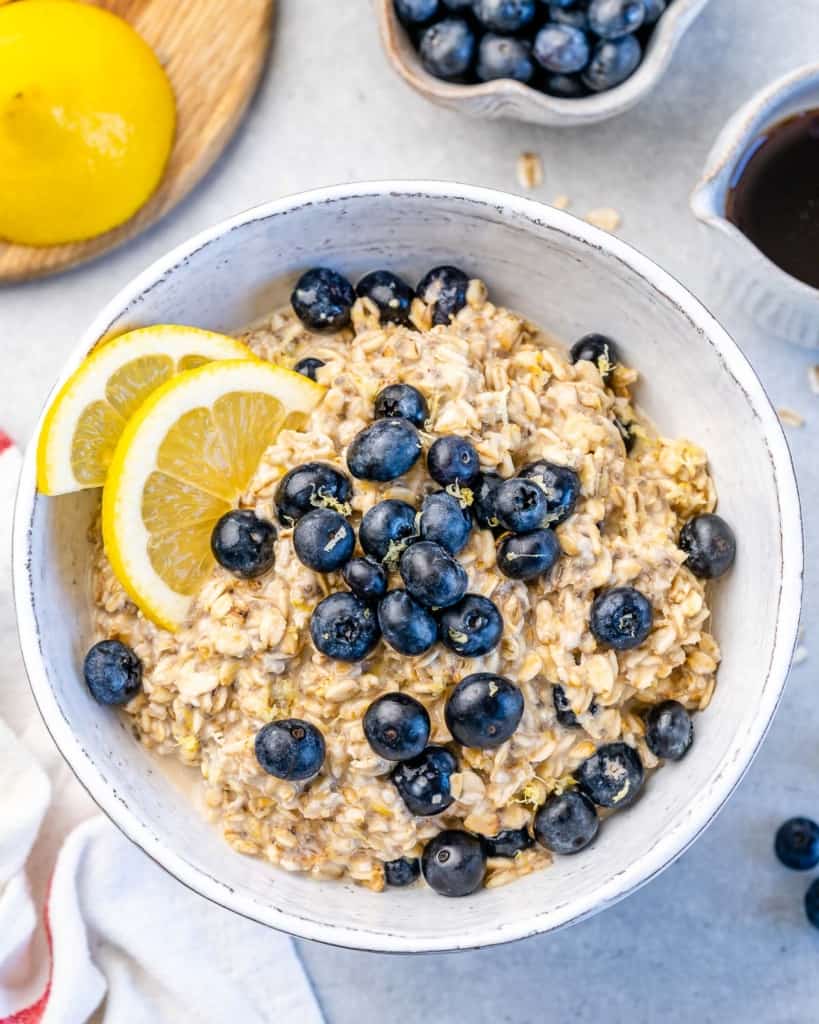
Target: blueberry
{"points": [[560, 484], [454, 863], [574, 14], [565, 87], [669, 730], [323, 540], [447, 49], [611, 19], [472, 627], [308, 366], [290, 749], [392, 295], [626, 432], [387, 528], [313, 485], [431, 575], [561, 48], [655, 9], [365, 578], [444, 289], [520, 505], [504, 57], [244, 544], [344, 628], [483, 710], [812, 903], [597, 349], [401, 401], [397, 726], [508, 843], [322, 300], [113, 672], [621, 618], [528, 556], [408, 627], [401, 872], [565, 713], [453, 460], [445, 521], [423, 782], [566, 823], [797, 844], [458, 5], [504, 15], [483, 503], [612, 62], [710, 545], [384, 451], [612, 776], [417, 12]]}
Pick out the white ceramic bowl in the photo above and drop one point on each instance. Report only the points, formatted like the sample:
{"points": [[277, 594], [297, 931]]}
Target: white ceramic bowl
{"points": [[507, 99], [571, 278]]}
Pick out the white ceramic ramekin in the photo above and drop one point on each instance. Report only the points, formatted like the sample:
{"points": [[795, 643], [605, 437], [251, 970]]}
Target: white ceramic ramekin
{"points": [[507, 99], [571, 278]]}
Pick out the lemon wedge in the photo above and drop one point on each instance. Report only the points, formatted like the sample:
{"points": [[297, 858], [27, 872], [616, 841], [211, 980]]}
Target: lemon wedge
{"points": [[87, 120], [183, 460], [89, 413]]}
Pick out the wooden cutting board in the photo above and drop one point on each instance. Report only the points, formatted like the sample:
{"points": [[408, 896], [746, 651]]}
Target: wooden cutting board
{"points": [[214, 52]]}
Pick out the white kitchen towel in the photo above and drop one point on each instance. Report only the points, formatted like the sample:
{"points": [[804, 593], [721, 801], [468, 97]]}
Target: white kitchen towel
{"points": [[90, 928]]}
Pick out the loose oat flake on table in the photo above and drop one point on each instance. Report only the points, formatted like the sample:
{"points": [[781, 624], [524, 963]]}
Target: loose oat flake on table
{"points": [[398, 742]]}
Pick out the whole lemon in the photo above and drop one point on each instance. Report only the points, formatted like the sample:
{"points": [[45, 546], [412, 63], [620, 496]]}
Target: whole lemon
{"points": [[87, 120]]}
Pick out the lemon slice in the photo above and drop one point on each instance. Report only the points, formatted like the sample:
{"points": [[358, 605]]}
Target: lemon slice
{"points": [[183, 460], [86, 419]]}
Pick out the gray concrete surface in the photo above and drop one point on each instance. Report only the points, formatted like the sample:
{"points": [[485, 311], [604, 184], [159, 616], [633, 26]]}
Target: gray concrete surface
{"points": [[720, 937]]}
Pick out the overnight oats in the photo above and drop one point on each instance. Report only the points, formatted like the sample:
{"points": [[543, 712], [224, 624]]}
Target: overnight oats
{"points": [[452, 616]]}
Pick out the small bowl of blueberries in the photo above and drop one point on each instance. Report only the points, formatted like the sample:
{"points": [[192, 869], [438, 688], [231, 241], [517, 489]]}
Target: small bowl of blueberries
{"points": [[550, 62]]}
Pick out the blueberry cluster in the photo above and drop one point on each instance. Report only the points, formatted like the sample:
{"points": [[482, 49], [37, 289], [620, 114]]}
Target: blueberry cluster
{"points": [[797, 847], [566, 48]]}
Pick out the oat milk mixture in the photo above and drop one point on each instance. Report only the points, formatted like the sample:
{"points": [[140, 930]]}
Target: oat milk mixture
{"points": [[245, 656]]}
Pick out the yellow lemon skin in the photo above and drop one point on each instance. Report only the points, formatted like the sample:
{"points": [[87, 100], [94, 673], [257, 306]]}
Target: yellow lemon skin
{"points": [[87, 119]]}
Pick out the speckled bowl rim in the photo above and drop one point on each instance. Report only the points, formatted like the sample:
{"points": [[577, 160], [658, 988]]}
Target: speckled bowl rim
{"points": [[706, 803]]}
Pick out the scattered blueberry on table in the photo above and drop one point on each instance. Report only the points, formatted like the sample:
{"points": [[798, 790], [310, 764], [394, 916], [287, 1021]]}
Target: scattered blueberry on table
{"points": [[565, 48], [290, 749], [244, 543], [812, 903], [113, 672], [454, 863], [797, 844]]}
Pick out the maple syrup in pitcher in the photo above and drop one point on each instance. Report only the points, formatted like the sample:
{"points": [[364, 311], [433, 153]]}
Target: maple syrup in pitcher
{"points": [[774, 195]]}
